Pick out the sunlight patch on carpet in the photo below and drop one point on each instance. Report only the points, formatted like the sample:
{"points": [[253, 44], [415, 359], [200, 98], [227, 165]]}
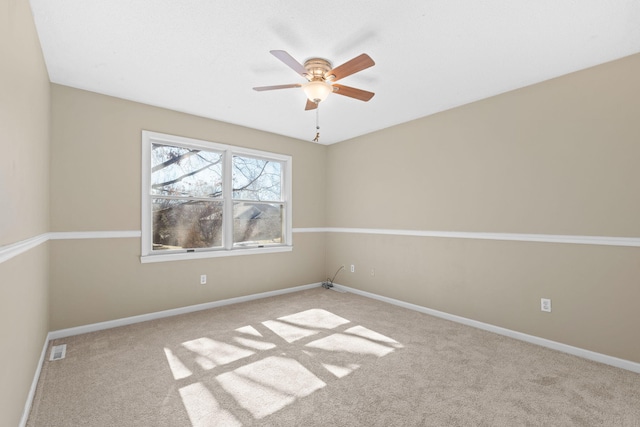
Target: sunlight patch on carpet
{"points": [[178, 369], [304, 324], [287, 332], [351, 344], [204, 410], [212, 353], [258, 345], [249, 330], [272, 378], [315, 318], [268, 385], [372, 335], [340, 371]]}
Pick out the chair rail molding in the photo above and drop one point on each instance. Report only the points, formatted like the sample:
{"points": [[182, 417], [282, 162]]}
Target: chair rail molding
{"points": [[14, 249], [542, 238]]}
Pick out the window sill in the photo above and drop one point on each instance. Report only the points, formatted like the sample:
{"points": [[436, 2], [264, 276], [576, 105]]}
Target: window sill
{"points": [[185, 256]]}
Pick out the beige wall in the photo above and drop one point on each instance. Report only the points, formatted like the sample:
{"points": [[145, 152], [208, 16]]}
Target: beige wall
{"points": [[95, 186], [560, 157], [24, 312], [24, 121], [24, 204]]}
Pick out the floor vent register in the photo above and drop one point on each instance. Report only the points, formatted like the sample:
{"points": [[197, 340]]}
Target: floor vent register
{"points": [[58, 352]]}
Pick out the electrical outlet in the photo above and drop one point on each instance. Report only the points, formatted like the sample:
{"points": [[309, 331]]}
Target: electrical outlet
{"points": [[203, 279], [353, 268], [545, 304], [373, 271]]}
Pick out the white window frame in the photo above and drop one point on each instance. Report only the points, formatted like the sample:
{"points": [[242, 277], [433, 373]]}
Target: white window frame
{"points": [[228, 151]]}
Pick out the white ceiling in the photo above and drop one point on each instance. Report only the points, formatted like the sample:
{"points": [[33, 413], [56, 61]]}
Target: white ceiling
{"points": [[204, 56]]}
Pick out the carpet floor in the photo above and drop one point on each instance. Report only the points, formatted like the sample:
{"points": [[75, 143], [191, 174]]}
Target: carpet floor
{"points": [[323, 358]]}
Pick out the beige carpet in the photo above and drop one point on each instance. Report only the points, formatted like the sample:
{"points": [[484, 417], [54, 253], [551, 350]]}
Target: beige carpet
{"points": [[323, 358]]}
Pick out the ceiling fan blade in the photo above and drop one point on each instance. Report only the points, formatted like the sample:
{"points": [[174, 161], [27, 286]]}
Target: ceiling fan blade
{"points": [[352, 92], [358, 63], [261, 88], [290, 61], [310, 105]]}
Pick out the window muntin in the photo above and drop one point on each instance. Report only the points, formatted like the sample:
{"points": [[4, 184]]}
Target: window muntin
{"points": [[205, 199]]}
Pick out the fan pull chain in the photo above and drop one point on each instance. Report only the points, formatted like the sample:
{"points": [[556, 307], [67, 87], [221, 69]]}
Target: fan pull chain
{"points": [[317, 138]]}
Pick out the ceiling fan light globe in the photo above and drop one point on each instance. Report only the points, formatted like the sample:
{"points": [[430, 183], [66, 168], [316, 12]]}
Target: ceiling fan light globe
{"points": [[317, 90]]}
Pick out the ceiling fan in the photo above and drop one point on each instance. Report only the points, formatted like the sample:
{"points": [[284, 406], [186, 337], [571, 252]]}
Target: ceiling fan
{"points": [[322, 76]]}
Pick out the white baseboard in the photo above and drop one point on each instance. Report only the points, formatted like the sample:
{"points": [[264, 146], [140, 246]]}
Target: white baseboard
{"points": [[576, 351], [62, 333], [34, 384]]}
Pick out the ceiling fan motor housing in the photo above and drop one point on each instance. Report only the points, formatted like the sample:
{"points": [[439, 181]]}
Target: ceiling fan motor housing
{"points": [[317, 68]]}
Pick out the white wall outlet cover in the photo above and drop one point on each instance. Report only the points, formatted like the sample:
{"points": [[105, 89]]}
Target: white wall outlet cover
{"points": [[545, 304]]}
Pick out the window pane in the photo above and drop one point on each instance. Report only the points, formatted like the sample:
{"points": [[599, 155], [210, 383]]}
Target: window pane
{"points": [[257, 223], [256, 179], [179, 224], [177, 171]]}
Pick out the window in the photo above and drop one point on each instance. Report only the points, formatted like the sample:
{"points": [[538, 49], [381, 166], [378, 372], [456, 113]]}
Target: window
{"points": [[202, 199]]}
